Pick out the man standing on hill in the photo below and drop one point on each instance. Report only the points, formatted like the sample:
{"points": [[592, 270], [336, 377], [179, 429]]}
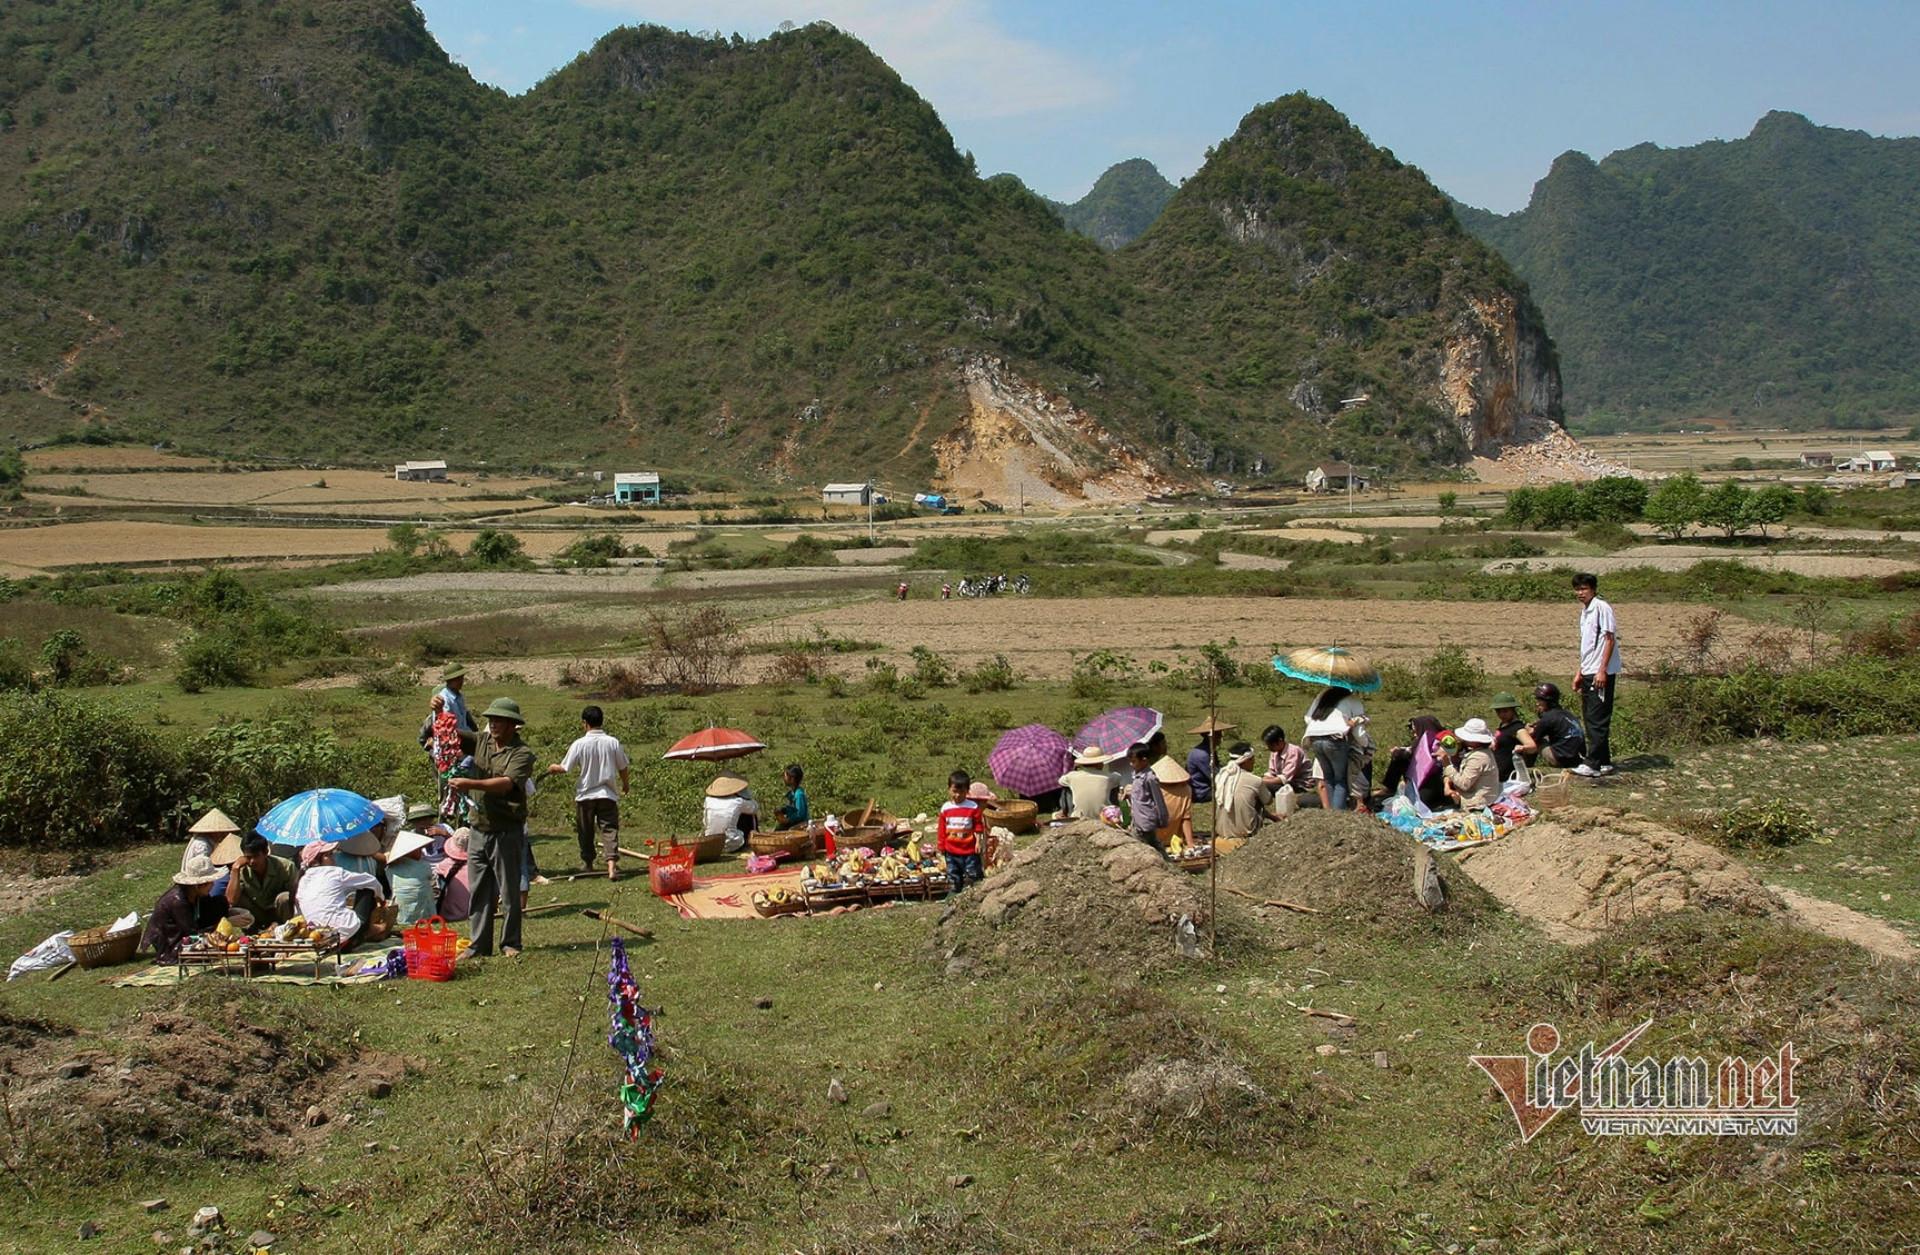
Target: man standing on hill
{"points": [[503, 764], [602, 762], [1599, 667]]}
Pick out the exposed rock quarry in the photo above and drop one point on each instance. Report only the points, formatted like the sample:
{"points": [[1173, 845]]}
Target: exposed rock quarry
{"points": [[1021, 443], [1497, 373]]}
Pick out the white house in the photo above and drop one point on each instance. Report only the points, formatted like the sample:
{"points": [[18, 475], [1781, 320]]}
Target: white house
{"points": [[1816, 457], [1336, 477], [435, 472], [847, 494], [1881, 460], [636, 487]]}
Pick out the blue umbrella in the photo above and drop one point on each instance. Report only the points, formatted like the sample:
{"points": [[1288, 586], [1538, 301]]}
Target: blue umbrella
{"points": [[320, 815], [1334, 666]]}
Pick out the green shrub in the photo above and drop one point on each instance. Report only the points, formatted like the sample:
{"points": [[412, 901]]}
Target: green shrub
{"points": [[16, 667], [88, 773], [1854, 696], [493, 547], [70, 663], [882, 676], [213, 659], [930, 669], [993, 675], [245, 766], [594, 551], [1096, 675], [389, 681], [1608, 536], [1773, 823], [1451, 672]]}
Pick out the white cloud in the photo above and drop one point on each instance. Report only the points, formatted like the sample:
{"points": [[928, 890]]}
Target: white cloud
{"points": [[953, 52]]}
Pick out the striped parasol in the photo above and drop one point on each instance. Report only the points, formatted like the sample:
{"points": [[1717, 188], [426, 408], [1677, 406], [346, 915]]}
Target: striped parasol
{"points": [[1030, 760], [1331, 665], [715, 745]]}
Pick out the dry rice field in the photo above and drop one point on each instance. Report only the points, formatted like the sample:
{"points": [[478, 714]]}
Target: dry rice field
{"points": [[30, 550], [1041, 637], [273, 488]]}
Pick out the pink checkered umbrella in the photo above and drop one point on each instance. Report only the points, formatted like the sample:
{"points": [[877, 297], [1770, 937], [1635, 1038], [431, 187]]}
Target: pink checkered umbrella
{"points": [[1030, 759], [1119, 728]]}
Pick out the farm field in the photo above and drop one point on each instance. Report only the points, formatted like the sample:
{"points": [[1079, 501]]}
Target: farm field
{"points": [[1669, 454], [101, 543]]}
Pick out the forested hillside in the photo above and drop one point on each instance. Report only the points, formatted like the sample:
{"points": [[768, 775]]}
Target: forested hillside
{"points": [[1776, 276], [300, 229], [1121, 205]]}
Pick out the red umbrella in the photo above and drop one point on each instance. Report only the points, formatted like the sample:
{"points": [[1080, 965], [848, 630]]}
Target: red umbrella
{"points": [[715, 744]]}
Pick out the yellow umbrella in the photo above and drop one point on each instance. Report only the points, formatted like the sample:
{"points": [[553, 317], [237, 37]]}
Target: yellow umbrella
{"points": [[1331, 665]]}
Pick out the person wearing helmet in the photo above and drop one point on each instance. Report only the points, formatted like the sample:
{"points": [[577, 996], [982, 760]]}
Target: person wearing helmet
{"points": [[1554, 738]]}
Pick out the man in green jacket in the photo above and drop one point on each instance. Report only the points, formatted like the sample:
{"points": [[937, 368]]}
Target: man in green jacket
{"points": [[503, 764], [262, 883]]}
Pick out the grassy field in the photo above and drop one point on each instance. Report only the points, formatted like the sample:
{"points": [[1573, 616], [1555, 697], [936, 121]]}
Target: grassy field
{"points": [[1063, 1082]]}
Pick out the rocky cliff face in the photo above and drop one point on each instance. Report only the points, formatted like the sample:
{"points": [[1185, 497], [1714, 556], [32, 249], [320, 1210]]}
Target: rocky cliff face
{"points": [[1497, 370]]}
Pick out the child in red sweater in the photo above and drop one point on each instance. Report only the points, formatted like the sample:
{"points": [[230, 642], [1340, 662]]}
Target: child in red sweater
{"points": [[959, 834]]}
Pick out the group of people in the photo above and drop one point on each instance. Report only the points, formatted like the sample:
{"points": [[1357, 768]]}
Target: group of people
{"points": [[359, 890]]}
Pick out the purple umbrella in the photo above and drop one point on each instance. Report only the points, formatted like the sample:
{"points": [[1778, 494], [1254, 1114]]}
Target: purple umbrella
{"points": [[1119, 728], [1030, 759]]}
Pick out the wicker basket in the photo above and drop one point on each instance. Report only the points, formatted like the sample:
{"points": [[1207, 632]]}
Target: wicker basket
{"points": [[707, 849], [797, 842], [1015, 816], [96, 947]]}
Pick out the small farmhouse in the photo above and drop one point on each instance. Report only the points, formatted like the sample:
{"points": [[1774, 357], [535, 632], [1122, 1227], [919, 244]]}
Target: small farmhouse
{"points": [[422, 472], [1336, 477], [847, 494], [1816, 457], [636, 488]]}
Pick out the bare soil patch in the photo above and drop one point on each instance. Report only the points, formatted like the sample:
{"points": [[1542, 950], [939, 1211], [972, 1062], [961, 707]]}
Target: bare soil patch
{"points": [[1583, 870], [216, 1070], [107, 457], [1833, 919]]}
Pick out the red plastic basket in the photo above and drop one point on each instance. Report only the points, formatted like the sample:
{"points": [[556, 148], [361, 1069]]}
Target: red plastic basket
{"points": [[670, 871], [431, 948]]}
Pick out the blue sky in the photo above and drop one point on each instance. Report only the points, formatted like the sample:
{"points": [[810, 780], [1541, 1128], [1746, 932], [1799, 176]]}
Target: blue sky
{"points": [[1481, 95]]}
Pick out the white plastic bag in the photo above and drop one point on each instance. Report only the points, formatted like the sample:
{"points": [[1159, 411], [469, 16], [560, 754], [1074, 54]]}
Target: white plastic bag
{"points": [[53, 952]]}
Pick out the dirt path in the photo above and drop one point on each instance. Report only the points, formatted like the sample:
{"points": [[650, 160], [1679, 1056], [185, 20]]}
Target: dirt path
{"points": [[1847, 924]]}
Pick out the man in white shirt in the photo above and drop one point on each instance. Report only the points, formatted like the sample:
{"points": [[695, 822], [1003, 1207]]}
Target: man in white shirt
{"points": [[601, 761], [1599, 667], [347, 902]]}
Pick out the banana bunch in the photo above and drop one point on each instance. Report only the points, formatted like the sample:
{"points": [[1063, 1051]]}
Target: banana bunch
{"points": [[1175, 847], [225, 929], [776, 898], [891, 867]]}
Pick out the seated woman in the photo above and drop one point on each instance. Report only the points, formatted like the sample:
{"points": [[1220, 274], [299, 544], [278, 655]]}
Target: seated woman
{"points": [[1176, 786], [188, 906], [730, 811], [344, 901], [206, 835], [1472, 778], [1416, 762], [793, 812], [411, 876]]}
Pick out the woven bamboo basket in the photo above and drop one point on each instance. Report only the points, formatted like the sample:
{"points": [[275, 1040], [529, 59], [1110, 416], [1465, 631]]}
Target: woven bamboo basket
{"points": [[797, 842], [96, 947], [1015, 816], [706, 849]]}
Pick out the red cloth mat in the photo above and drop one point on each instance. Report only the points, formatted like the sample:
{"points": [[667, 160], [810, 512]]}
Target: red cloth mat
{"points": [[731, 896]]}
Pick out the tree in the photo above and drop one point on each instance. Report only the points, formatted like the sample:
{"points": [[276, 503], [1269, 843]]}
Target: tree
{"points": [[1724, 506], [1449, 502], [1816, 499], [494, 547], [13, 473], [1768, 507], [405, 538], [1675, 505], [1557, 506], [1615, 499], [1521, 506]]}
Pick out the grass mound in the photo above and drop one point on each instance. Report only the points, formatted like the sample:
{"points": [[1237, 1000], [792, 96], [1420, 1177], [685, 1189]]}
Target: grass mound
{"points": [[216, 1071], [1083, 891], [1351, 868]]}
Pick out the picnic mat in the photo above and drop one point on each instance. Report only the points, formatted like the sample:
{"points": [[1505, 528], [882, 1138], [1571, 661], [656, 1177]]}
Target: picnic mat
{"points": [[731, 897], [363, 965]]}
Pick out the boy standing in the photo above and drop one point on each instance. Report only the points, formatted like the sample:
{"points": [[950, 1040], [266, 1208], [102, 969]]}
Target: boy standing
{"points": [[959, 834], [601, 760], [1599, 668], [1145, 799]]}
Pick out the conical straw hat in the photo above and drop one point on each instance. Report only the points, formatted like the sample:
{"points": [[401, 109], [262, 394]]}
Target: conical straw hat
{"points": [[213, 822]]}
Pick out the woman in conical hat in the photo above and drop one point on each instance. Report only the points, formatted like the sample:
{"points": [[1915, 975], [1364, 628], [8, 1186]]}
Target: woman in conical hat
{"points": [[205, 836]]}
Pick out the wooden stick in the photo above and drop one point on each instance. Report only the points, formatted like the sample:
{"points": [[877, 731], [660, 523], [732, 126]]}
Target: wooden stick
{"points": [[63, 970], [1281, 902], [1338, 1017], [633, 853], [604, 918]]}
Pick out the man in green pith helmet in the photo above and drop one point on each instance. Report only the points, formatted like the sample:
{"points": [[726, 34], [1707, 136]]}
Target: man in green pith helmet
{"points": [[503, 764]]}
